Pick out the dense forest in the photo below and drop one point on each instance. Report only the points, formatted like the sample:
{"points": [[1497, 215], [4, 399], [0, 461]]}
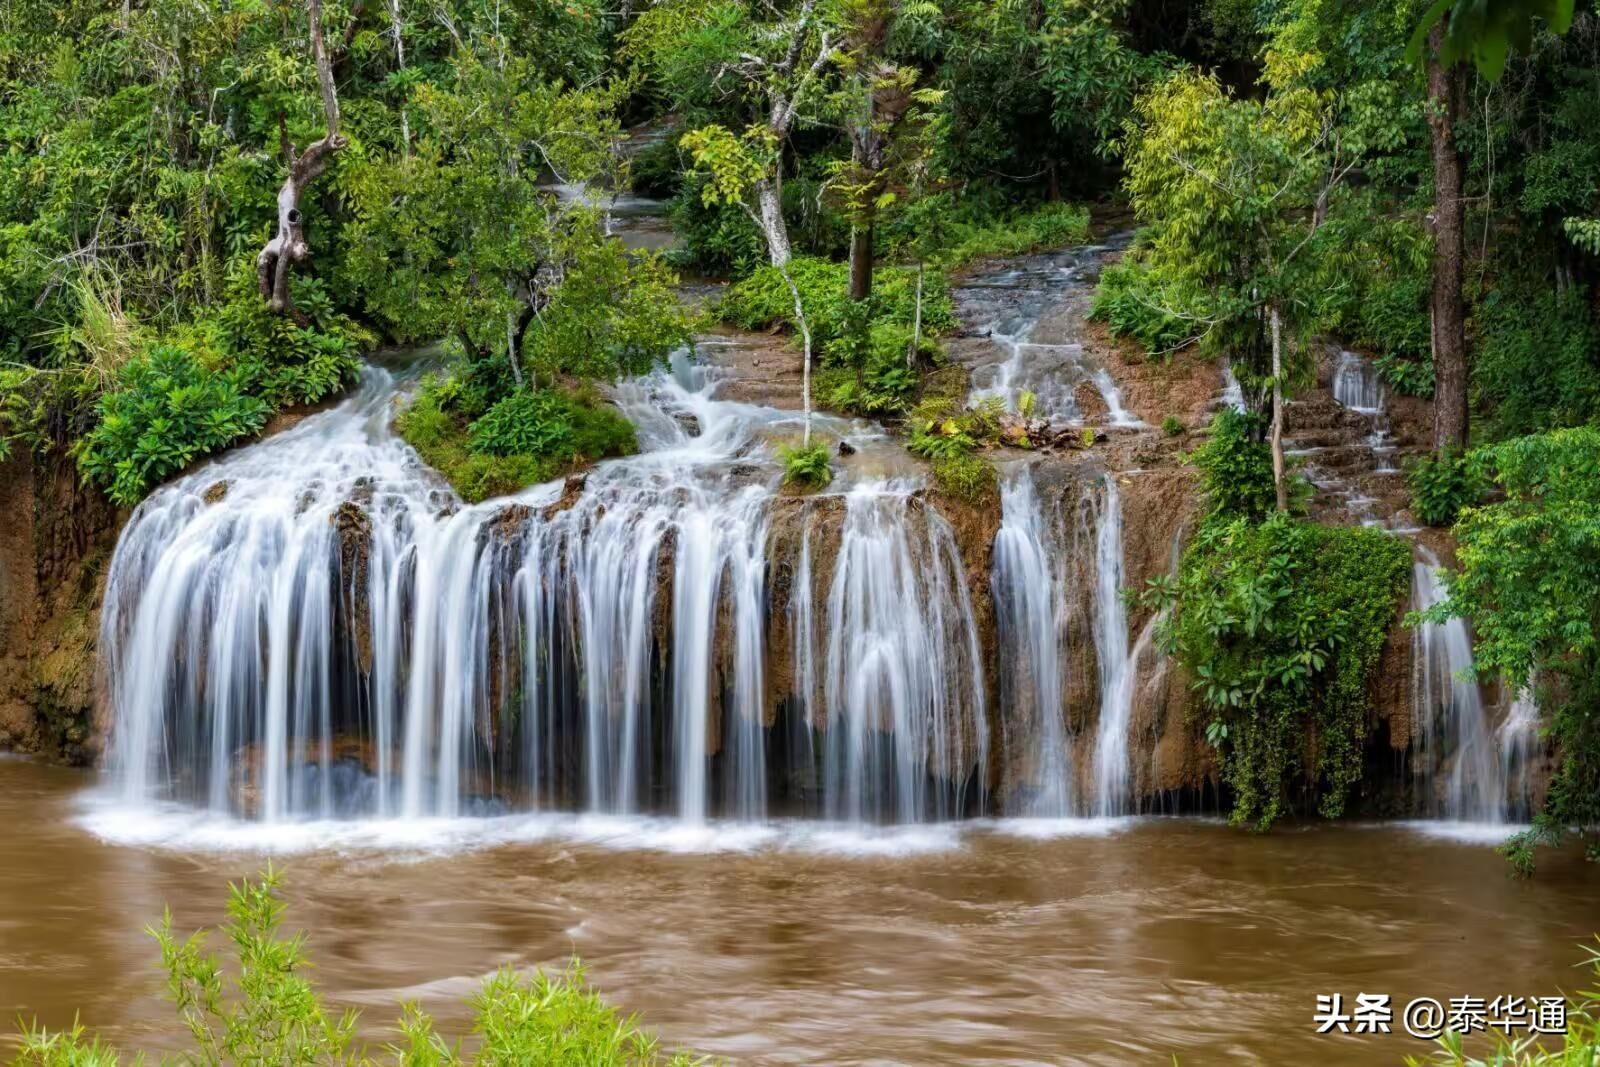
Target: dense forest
{"points": [[212, 209]]}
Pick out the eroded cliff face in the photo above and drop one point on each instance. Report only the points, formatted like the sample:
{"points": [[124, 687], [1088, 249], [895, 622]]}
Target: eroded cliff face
{"points": [[56, 538]]}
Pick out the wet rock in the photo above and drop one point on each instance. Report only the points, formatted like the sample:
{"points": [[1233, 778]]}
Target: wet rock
{"points": [[571, 491], [354, 531], [54, 547], [846, 448], [216, 492]]}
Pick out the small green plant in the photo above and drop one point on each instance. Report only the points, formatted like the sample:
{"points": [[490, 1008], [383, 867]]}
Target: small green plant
{"points": [[806, 466], [1087, 436], [1172, 426], [966, 476], [273, 1015], [1441, 486]]}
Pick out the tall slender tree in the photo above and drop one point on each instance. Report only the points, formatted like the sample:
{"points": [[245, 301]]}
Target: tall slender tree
{"points": [[288, 246]]}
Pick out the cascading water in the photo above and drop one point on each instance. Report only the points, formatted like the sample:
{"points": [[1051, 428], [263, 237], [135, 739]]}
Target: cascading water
{"points": [[1356, 384], [1519, 744], [1049, 369], [1455, 739], [314, 627], [1116, 665], [1028, 600], [904, 682]]}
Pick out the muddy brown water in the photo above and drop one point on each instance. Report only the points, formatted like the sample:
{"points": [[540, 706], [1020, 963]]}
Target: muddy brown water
{"points": [[1163, 937]]}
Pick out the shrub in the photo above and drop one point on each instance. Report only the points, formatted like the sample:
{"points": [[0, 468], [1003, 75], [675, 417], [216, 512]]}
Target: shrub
{"points": [[1281, 623], [949, 439], [966, 476], [1132, 303], [1441, 486], [1236, 467], [166, 412], [866, 372], [275, 1015], [284, 363], [806, 466], [1172, 426], [762, 301], [525, 438]]}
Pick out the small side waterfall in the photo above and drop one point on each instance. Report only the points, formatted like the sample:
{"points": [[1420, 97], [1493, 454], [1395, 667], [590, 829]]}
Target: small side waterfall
{"points": [[1117, 667], [1455, 739], [1356, 384], [1519, 744], [1028, 599]]}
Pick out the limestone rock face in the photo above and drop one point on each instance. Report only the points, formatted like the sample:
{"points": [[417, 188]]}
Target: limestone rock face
{"points": [[56, 538]]}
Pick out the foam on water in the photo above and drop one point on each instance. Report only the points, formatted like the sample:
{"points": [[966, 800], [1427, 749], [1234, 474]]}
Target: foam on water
{"points": [[176, 828]]}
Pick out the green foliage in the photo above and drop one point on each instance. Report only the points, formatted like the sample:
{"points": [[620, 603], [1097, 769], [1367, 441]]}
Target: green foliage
{"points": [[806, 465], [1441, 486], [1235, 466], [1172, 426], [950, 439], [165, 412], [966, 476], [1487, 32], [273, 1014], [1281, 623], [1013, 233], [522, 439], [1538, 362], [1224, 186], [1137, 302], [762, 300]]}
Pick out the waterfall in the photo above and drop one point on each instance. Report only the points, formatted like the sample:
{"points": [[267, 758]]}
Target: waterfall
{"points": [[1453, 724], [1028, 597], [316, 627], [1519, 744], [904, 681], [1232, 391], [1356, 384], [1116, 666]]}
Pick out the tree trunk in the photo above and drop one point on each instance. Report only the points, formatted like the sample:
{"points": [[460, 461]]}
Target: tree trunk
{"points": [[288, 246], [805, 336], [861, 261], [396, 27], [769, 202], [916, 325], [1279, 481], [1449, 326]]}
